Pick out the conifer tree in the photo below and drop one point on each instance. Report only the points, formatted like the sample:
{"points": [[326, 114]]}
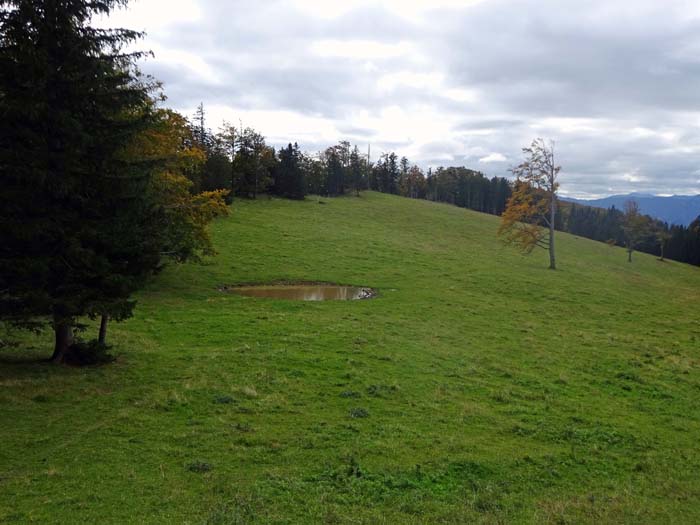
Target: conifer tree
{"points": [[335, 171], [289, 176], [253, 164], [72, 102], [357, 170]]}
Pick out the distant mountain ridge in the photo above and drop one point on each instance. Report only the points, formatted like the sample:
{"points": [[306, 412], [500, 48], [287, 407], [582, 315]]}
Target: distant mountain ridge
{"points": [[677, 209]]}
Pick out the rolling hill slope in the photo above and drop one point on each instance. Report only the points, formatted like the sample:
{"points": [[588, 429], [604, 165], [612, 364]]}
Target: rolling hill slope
{"points": [[478, 387]]}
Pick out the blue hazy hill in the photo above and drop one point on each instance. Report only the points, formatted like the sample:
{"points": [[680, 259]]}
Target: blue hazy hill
{"points": [[677, 209]]}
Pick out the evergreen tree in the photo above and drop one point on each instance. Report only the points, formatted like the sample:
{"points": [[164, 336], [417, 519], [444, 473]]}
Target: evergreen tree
{"points": [[200, 126], [314, 174], [253, 164], [216, 170], [72, 101], [289, 176], [390, 174], [335, 171], [227, 137], [374, 176], [357, 169]]}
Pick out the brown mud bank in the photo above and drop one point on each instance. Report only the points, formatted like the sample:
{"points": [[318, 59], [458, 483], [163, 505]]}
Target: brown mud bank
{"points": [[302, 291]]}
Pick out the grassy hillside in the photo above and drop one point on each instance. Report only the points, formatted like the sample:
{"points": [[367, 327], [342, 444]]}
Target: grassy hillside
{"points": [[479, 386]]}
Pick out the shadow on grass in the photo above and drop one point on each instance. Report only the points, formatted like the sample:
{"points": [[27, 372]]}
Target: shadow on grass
{"points": [[23, 360]]}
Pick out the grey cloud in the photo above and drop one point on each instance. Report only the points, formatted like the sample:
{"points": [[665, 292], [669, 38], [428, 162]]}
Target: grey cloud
{"points": [[620, 65]]}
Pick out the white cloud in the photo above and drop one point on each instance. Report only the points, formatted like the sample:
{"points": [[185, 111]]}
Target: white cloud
{"points": [[462, 94], [329, 9], [493, 157], [187, 61], [427, 81], [447, 81], [359, 49], [153, 14], [633, 176], [279, 127]]}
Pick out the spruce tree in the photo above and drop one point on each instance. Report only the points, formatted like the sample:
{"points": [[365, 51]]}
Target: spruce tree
{"points": [[356, 171], [253, 164], [289, 176], [72, 209]]}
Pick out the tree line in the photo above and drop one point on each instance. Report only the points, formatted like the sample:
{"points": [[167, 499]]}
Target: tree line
{"points": [[631, 229], [238, 159]]}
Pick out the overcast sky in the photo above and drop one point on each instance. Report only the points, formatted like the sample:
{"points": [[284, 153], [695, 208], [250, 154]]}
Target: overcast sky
{"points": [[616, 83]]}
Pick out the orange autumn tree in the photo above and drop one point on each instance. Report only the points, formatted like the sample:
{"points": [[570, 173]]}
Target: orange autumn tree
{"points": [[528, 220], [174, 219], [636, 227], [184, 214]]}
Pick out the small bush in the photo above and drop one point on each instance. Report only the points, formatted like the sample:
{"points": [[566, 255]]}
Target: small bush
{"points": [[353, 469], [357, 413], [199, 467], [350, 393]]}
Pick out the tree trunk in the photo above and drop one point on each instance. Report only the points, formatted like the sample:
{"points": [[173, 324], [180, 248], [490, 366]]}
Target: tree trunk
{"points": [[63, 330], [629, 255], [662, 250], [102, 338], [552, 213]]}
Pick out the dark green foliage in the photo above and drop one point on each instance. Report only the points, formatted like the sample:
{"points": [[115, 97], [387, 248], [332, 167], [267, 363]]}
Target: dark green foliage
{"points": [[337, 170], [680, 243], [469, 189], [289, 175], [73, 204], [385, 174], [356, 171], [216, 172], [336, 162], [314, 175], [684, 244], [201, 133], [593, 223], [253, 164]]}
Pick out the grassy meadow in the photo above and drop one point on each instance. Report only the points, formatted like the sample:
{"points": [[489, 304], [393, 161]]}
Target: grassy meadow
{"points": [[478, 387]]}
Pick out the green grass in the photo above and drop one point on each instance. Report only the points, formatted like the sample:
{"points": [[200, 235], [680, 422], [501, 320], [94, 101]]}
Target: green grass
{"points": [[479, 387]]}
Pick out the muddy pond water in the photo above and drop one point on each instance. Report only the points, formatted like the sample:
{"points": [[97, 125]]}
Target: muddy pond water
{"points": [[305, 292]]}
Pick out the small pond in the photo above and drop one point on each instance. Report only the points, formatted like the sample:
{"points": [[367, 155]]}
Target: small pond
{"points": [[304, 292]]}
